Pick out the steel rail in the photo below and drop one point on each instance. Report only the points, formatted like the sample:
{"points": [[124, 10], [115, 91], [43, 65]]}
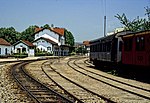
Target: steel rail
{"points": [[72, 96], [102, 97], [148, 90], [35, 81], [143, 96]]}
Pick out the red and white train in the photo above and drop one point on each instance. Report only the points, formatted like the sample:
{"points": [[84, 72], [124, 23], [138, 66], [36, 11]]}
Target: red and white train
{"points": [[124, 48]]}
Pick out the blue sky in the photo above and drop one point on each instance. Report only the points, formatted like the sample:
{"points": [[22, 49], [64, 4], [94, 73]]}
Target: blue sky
{"points": [[84, 18]]}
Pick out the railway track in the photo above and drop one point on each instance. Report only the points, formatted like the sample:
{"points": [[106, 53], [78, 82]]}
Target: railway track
{"points": [[83, 94], [54, 85], [69, 82], [38, 91], [113, 79], [127, 87]]}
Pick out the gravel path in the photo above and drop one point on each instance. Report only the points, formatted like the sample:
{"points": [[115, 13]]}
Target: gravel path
{"points": [[36, 71], [128, 81], [9, 90], [97, 87]]}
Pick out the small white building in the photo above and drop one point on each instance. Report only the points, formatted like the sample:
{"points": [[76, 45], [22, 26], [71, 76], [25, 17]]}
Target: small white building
{"points": [[51, 40], [24, 46], [87, 47], [44, 44], [5, 47]]}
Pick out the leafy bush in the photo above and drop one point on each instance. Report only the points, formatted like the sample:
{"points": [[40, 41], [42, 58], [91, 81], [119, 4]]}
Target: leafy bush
{"points": [[40, 54], [3, 56], [73, 53], [43, 54], [20, 55]]}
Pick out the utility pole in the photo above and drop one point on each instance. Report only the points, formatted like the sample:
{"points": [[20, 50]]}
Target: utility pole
{"points": [[104, 26]]}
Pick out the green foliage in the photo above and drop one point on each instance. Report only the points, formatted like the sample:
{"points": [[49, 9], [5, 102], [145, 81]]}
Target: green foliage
{"points": [[27, 34], [42, 53], [73, 53], [113, 72], [81, 50], [20, 55], [46, 26], [9, 34], [69, 39], [147, 12], [137, 24], [12, 36]]}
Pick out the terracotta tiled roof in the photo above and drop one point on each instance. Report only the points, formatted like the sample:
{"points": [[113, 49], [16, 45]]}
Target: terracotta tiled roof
{"points": [[28, 43], [86, 43], [49, 40], [38, 29], [59, 31], [4, 42], [46, 39]]}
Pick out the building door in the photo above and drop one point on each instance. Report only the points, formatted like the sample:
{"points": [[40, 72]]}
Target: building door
{"points": [[24, 50], [18, 50], [5, 51]]}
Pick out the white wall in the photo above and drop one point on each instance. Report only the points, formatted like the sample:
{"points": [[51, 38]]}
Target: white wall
{"points": [[31, 52], [21, 45], [50, 35], [47, 34], [43, 45], [3, 50]]}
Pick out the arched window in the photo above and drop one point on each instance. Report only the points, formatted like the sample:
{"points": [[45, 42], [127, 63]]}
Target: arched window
{"points": [[6, 51], [24, 50], [49, 48], [140, 41], [128, 44]]}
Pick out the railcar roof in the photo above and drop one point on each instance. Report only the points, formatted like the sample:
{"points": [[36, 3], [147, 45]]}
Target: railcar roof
{"points": [[103, 39], [110, 37], [136, 33]]}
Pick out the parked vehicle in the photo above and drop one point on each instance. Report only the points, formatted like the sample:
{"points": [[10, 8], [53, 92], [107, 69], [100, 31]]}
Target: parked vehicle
{"points": [[123, 48]]}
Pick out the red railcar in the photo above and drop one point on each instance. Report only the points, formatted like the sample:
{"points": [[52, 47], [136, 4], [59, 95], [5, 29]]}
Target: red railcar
{"points": [[136, 49]]}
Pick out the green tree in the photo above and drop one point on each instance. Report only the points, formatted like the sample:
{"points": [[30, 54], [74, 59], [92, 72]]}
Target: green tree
{"points": [[137, 24], [46, 26], [69, 38], [9, 34], [81, 50], [147, 12], [134, 25], [27, 34]]}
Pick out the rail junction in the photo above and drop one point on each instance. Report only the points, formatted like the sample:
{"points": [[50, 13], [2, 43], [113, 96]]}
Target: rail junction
{"points": [[72, 80]]}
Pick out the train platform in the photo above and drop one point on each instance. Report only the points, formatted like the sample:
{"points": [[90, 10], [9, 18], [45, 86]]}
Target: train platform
{"points": [[27, 58]]}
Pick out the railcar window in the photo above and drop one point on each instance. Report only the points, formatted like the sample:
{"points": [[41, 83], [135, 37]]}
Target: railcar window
{"points": [[100, 47], [120, 46], [94, 48], [128, 44], [97, 47], [91, 48], [104, 47], [108, 46], [140, 41]]}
